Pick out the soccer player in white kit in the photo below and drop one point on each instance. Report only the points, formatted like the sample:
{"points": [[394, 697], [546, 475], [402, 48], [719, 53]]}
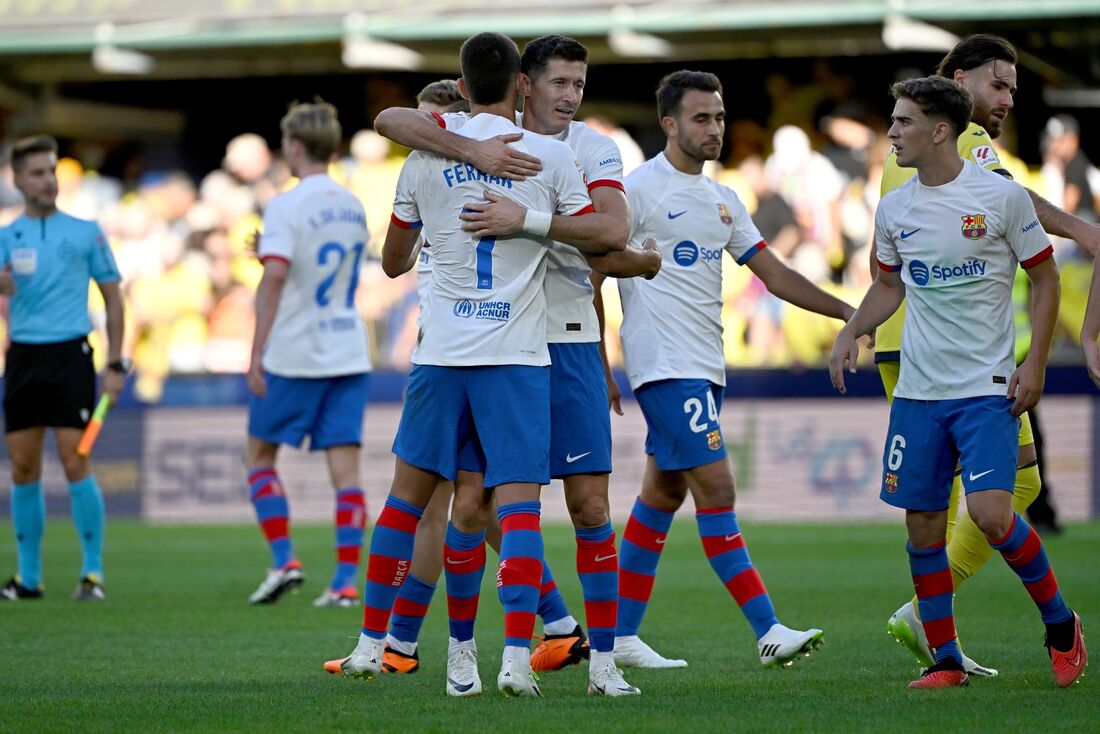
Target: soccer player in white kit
{"points": [[672, 344], [950, 240], [554, 70], [310, 360], [481, 370]]}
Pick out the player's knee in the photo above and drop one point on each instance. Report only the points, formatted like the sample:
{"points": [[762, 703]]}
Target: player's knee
{"points": [[25, 470], [468, 513], [588, 511], [994, 522], [76, 467]]}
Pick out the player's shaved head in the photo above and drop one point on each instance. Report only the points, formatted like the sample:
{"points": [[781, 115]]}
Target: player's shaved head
{"points": [[938, 97], [444, 95], [974, 51], [26, 147], [671, 90], [490, 64], [538, 54]]}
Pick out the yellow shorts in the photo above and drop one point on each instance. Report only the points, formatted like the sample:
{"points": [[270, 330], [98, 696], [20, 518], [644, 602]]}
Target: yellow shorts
{"points": [[889, 371]]}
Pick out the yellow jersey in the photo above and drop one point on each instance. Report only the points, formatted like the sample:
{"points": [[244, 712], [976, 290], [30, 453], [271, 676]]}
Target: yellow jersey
{"points": [[974, 145]]}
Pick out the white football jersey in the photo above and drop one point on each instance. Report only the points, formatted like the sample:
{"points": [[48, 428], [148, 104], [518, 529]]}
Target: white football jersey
{"points": [[672, 325], [485, 299], [423, 278], [319, 228], [570, 315], [957, 247]]}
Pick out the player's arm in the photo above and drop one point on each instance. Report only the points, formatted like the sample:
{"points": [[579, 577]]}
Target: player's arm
{"points": [[1057, 221], [268, 294], [425, 131], [596, 233], [1090, 330], [882, 300], [400, 251], [614, 395], [1027, 381], [793, 287], [112, 380]]}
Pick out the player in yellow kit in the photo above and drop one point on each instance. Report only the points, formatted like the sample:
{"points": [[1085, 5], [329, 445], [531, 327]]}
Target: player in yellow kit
{"points": [[986, 66]]}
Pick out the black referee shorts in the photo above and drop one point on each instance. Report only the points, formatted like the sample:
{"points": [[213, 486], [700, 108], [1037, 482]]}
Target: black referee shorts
{"points": [[49, 385]]}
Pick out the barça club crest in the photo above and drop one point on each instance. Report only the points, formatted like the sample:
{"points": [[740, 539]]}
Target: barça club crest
{"points": [[714, 438], [973, 226], [724, 214]]}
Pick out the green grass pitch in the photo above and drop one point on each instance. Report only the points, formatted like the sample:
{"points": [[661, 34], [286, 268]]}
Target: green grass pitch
{"points": [[177, 648]]}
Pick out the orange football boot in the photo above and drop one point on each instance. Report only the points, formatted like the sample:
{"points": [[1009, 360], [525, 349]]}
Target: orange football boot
{"points": [[1070, 665], [557, 651]]}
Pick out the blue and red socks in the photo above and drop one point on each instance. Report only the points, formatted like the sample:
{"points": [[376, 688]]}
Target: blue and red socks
{"points": [[520, 572], [725, 549], [464, 568], [88, 516], [28, 516], [1023, 551], [268, 497], [556, 619], [391, 548], [351, 518], [409, 610], [935, 590], [598, 568], [639, 552]]}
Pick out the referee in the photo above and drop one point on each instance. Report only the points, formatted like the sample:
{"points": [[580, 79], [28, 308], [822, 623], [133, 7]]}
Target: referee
{"points": [[47, 258]]}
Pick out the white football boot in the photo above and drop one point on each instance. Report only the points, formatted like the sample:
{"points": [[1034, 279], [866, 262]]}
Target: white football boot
{"points": [[365, 660], [780, 645], [462, 676], [604, 679], [632, 652]]}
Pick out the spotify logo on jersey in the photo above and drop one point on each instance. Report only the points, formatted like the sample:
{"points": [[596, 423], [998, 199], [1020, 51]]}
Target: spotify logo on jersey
{"points": [[918, 271], [685, 253]]}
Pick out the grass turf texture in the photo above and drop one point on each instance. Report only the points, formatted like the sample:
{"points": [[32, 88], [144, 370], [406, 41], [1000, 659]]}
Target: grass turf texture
{"points": [[177, 648]]}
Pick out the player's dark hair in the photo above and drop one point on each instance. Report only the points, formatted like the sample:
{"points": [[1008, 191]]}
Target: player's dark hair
{"points": [[490, 63], [671, 90], [316, 125], [975, 51], [443, 93], [538, 54], [26, 147], [938, 96]]}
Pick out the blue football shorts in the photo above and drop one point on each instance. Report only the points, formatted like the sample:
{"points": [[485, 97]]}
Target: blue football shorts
{"points": [[927, 439], [682, 418], [580, 423], [506, 407], [327, 409]]}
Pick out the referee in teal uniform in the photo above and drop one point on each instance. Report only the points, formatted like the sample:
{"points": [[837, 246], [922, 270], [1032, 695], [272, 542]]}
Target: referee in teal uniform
{"points": [[47, 258]]}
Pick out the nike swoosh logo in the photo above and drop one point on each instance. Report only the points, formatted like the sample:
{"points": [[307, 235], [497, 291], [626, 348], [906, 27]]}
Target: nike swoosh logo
{"points": [[660, 541], [605, 558], [678, 214], [460, 687], [732, 537], [453, 562], [906, 235], [569, 458], [974, 476]]}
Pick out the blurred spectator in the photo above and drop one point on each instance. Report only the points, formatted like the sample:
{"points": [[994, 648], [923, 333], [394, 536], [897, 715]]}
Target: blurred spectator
{"points": [[1080, 179], [248, 158]]}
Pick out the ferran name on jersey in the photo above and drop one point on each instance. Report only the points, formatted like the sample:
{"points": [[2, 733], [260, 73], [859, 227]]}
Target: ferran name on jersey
{"points": [[463, 172], [973, 227], [724, 214]]}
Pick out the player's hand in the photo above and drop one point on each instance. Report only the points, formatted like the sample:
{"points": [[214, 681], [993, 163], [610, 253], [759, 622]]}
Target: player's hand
{"points": [[1092, 358], [1025, 387], [7, 281], [845, 354], [497, 216], [256, 382], [111, 383], [614, 395], [496, 157], [653, 260]]}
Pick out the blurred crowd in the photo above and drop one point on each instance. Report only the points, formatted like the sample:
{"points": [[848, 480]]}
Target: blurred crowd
{"points": [[810, 177]]}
